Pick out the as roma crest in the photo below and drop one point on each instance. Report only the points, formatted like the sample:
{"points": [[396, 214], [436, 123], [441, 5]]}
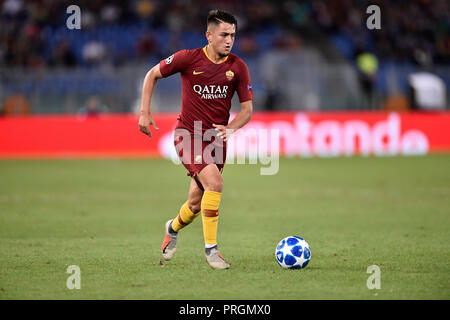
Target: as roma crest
{"points": [[229, 74]]}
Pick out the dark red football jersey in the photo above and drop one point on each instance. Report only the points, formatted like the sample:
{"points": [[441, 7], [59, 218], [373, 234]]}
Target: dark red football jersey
{"points": [[207, 87]]}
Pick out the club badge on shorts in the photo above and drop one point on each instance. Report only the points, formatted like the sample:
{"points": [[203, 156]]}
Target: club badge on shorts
{"points": [[229, 74]]}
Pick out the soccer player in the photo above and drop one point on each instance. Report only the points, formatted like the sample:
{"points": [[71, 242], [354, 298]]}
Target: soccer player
{"points": [[209, 77]]}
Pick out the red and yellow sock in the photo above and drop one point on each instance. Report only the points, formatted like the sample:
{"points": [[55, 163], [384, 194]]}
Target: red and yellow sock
{"points": [[210, 215], [185, 217]]}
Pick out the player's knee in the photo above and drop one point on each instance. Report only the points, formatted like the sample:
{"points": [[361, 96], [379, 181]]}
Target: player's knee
{"points": [[215, 185], [195, 207]]}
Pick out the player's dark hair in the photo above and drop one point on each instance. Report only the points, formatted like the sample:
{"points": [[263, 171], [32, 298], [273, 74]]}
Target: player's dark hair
{"points": [[217, 16]]}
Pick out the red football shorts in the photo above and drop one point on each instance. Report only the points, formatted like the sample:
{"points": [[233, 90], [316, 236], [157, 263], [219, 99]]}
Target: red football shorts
{"points": [[196, 151]]}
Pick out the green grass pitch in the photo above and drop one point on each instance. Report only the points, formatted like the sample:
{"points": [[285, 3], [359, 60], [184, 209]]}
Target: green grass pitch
{"points": [[107, 217]]}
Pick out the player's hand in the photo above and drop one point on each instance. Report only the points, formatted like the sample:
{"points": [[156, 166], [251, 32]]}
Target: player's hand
{"points": [[223, 131], [144, 124]]}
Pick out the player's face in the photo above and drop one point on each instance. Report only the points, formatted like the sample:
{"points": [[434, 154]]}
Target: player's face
{"points": [[221, 38]]}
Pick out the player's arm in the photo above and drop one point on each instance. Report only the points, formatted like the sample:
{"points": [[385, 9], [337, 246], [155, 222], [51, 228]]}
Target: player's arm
{"points": [[146, 118], [241, 119]]}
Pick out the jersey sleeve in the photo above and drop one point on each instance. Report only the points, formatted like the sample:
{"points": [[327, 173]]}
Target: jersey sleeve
{"points": [[244, 85], [173, 64]]}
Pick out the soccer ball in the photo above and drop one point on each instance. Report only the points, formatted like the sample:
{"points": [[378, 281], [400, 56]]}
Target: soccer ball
{"points": [[293, 253]]}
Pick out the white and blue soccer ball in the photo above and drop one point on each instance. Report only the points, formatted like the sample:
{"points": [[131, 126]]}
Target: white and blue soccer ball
{"points": [[293, 253]]}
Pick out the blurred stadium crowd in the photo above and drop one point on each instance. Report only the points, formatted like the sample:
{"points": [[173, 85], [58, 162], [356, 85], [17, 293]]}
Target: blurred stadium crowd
{"points": [[415, 33], [34, 33]]}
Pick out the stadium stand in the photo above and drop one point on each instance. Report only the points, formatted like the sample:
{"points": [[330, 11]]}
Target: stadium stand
{"points": [[315, 43]]}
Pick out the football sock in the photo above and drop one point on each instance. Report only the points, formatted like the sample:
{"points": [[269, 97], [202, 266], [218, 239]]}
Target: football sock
{"points": [[210, 216], [185, 217]]}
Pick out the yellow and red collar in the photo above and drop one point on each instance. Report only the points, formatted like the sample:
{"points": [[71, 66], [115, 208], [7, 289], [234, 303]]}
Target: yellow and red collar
{"points": [[206, 53]]}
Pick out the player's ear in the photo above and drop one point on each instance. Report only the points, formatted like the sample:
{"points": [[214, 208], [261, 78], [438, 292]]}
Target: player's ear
{"points": [[208, 36]]}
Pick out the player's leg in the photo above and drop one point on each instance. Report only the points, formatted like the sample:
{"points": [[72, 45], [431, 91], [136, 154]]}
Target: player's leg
{"points": [[211, 180], [188, 212], [190, 209]]}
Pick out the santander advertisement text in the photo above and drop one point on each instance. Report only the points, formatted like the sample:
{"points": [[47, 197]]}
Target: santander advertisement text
{"points": [[321, 134]]}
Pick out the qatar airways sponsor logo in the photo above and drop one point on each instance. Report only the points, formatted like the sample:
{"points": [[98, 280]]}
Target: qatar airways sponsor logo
{"points": [[211, 91]]}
